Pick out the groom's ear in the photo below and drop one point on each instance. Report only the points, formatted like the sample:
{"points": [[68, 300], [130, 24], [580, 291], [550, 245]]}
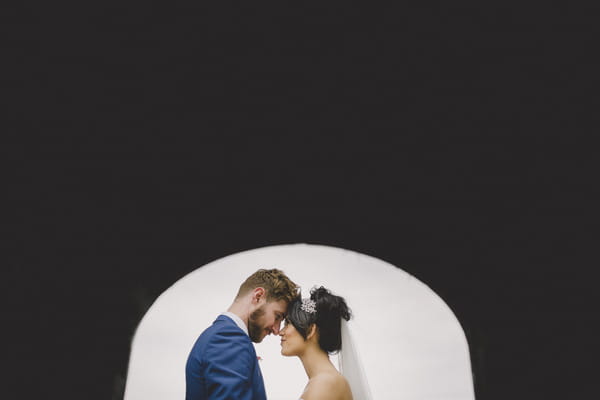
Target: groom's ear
{"points": [[258, 294]]}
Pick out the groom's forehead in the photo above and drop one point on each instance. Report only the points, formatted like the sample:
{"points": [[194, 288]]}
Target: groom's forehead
{"points": [[278, 306]]}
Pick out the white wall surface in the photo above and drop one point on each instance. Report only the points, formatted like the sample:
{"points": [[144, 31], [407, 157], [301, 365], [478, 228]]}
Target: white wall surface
{"points": [[410, 342]]}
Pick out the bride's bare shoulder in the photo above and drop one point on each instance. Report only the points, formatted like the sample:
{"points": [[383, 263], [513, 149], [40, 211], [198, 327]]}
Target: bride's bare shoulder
{"points": [[329, 385]]}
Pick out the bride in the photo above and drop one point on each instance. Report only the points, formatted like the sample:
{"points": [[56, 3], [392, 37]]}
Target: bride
{"points": [[314, 328]]}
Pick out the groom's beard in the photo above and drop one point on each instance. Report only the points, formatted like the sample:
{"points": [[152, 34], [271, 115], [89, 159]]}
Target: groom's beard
{"points": [[255, 330]]}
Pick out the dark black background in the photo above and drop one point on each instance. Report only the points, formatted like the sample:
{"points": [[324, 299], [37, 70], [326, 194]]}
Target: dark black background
{"points": [[144, 142]]}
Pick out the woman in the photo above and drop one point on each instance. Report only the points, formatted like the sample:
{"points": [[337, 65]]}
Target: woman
{"points": [[312, 331]]}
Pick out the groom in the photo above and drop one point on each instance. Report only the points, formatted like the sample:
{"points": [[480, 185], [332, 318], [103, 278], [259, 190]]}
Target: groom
{"points": [[223, 364]]}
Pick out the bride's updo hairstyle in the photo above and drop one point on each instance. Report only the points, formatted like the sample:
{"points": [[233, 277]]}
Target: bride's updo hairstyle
{"points": [[328, 313]]}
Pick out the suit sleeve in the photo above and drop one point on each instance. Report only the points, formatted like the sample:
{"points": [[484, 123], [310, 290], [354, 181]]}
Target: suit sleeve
{"points": [[229, 368]]}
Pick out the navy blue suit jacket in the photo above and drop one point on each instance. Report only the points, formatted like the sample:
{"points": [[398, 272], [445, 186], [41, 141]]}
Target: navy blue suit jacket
{"points": [[223, 365]]}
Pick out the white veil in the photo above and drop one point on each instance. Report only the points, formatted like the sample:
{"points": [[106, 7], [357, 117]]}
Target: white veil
{"points": [[351, 366]]}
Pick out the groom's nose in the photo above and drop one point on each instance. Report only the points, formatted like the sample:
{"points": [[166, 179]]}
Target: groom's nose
{"points": [[275, 329]]}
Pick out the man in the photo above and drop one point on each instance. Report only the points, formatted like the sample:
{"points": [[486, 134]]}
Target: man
{"points": [[223, 364]]}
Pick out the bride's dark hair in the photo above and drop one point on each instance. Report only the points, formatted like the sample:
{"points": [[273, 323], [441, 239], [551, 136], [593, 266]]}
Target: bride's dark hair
{"points": [[330, 309]]}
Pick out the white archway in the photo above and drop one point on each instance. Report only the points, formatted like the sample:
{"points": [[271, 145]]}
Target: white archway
{"points": [[410, 342]]}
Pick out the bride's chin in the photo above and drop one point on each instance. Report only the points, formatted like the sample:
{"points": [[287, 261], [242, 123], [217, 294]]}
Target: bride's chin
{"points": [[286, 353]]}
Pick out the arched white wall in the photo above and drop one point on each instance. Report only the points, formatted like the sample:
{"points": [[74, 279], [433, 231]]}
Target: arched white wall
{"points": [[411, 344]]}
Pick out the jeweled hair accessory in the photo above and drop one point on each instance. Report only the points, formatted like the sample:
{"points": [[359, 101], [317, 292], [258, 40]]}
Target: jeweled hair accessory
{"points": [[309, 306]]}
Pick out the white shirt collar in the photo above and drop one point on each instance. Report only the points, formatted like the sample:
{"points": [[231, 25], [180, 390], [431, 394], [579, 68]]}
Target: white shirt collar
{"points": [[238, 321]]}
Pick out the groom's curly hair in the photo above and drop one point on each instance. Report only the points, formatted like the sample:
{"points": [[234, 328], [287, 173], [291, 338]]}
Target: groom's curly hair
{"points": [[277, 285], [330, 309]]}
